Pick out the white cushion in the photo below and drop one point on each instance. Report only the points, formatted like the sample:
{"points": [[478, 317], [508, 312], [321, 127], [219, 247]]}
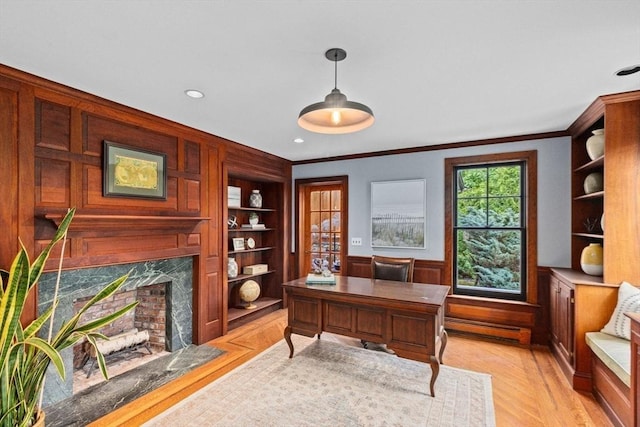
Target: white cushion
{"points": [[628, 301], [614, 352]]}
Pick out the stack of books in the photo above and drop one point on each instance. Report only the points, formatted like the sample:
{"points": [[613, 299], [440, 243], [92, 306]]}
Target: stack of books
{"points": [[320, 279], [254, 226]]}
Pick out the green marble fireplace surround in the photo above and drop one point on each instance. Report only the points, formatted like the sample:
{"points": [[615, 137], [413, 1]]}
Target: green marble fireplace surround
{"points": [[176, 273]]}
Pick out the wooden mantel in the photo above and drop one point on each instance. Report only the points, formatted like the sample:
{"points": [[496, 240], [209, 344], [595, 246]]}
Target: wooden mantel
{"points": [[139, 222]]}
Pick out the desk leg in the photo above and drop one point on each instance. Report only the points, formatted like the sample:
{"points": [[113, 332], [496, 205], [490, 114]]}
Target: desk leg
{"points": [[435, 370], [287, 338], [443, 343]]}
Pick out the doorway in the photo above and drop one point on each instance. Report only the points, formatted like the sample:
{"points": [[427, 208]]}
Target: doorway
{"points": [[322, 218]]}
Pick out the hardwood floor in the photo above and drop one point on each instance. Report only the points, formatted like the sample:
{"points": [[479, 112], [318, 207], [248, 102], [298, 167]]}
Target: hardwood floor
{"points": [[528, 386]]}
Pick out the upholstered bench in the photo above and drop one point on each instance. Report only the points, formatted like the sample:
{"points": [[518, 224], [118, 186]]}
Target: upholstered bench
{"points": [[611, 370], [611, 375], [613, 352]]}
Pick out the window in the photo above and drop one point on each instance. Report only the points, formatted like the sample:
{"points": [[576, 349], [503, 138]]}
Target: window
{"points": [[489, 225]]}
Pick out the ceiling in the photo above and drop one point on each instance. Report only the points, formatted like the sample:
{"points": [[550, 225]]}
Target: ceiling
{"points": [[432, 71]]}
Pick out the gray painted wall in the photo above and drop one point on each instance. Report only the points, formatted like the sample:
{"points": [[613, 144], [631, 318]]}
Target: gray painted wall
{"points": [[554, 195]]}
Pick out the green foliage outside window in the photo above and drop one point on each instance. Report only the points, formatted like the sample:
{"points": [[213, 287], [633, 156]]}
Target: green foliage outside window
{"points": [[488, 222]]}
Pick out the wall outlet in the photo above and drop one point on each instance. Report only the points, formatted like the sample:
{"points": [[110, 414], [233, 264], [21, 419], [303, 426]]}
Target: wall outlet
{"points": [[356, 241]]}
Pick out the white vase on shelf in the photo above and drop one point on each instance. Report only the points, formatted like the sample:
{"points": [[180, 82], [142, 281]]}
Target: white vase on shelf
{"points": [[595, 144], [232, 268], [255, 199], [253, 218], [593, 183], [591, 259]]}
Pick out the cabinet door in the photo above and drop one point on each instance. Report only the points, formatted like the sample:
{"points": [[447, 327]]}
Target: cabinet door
{"points": [[554, 291], [565, 320]]}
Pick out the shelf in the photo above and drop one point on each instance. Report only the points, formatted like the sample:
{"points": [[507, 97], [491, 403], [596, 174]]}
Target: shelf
{"points": [[262, 303], [589, 235], [266, 248], [249, 230], [594, 164], [238, 208], [242, 277], [596, 195]]}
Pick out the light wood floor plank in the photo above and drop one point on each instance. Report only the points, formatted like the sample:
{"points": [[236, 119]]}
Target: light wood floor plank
{"points": [[528, 387]]}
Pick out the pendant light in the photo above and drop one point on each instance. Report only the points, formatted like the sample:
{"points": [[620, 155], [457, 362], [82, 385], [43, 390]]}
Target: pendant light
{"points": [[335, 114]]}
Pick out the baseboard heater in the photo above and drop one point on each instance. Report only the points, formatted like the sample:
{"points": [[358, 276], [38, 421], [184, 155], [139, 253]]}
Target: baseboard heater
{"points": [[513, 333]]}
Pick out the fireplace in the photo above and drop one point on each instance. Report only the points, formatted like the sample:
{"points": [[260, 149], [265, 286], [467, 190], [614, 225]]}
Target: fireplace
{"points": [[168, 280], [135, 338]]}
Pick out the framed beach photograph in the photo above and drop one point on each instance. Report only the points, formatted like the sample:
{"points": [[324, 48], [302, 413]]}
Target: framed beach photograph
{"points": [[132, 172], [398, 214], [238, 243]]}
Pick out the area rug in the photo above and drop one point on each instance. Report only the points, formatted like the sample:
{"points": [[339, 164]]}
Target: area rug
{"points": [[332, 384], [100, 399]]}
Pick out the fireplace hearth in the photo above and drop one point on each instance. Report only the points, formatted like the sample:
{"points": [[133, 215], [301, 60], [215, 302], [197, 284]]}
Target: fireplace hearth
{"points": [[176, 277]]}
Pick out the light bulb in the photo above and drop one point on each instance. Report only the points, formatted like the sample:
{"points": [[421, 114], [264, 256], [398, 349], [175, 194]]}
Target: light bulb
{"points": [[336, 118]]}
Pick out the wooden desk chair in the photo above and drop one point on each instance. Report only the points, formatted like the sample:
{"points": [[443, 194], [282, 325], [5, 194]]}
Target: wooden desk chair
{"points": [[388, 268]]}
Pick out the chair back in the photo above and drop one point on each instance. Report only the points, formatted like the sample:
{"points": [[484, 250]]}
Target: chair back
{"points": [[387, 268]]}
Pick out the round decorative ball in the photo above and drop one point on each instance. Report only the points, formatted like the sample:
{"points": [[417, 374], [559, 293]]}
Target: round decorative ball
{"points": [[249, 292], [595, 144], [593, 183], [591, 259]]}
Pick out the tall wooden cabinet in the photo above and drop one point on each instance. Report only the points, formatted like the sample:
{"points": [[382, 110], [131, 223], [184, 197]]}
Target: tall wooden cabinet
{"points": [[580, 303]]}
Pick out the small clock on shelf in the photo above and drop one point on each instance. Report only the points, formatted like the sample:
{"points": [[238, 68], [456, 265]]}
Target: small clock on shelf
{"points": [[251, 244]]}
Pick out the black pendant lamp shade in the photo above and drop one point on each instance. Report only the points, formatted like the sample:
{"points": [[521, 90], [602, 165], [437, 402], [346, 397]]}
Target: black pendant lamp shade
{"points": [[336, 114]]}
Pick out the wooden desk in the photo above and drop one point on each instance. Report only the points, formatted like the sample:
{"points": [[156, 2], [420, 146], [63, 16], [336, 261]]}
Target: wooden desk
{"points": [[407, 317]]}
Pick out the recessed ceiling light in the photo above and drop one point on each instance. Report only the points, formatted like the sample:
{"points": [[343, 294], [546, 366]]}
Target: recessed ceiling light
{"points": [[194, 93], [298, 140]]}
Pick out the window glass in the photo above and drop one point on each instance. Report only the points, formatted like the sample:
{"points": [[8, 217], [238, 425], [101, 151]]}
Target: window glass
{"points": [[489, 231]]}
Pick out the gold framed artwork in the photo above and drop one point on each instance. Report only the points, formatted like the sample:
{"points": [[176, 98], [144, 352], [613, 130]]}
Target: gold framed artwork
{"points": [[133, 172]]}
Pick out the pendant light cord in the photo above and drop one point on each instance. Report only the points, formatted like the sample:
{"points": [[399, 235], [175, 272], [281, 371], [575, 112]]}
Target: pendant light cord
{"points": [[335, 71]]}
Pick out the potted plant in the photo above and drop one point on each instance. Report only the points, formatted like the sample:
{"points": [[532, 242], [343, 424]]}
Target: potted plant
{"points": [[253, 218], [25, 354]]}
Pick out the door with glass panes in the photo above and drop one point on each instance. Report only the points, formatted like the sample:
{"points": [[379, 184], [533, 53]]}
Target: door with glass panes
{"points": [[322, 228]]}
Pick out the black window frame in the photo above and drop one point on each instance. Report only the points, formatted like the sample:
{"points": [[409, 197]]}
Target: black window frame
{"points": [[522, 229]]}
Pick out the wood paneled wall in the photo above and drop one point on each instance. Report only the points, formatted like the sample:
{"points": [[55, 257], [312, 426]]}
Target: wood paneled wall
{"points": [[51, 159]]}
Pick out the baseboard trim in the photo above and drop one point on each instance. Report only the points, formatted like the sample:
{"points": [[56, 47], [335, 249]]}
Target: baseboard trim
{"points": [[521, 335]]}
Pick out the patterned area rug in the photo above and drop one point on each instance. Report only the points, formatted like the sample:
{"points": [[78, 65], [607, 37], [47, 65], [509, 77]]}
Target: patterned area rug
{"points": [[331, 384]]}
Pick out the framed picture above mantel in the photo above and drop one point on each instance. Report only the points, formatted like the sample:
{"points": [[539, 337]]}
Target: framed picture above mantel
{"points": [[133, 172]]}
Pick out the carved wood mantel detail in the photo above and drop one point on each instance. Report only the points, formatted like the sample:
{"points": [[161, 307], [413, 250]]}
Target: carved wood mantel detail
{"points": [[139, 222]]}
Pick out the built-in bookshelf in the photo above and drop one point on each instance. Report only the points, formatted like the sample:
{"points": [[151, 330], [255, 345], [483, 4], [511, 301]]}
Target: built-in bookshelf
{"points": [[254, 245]]}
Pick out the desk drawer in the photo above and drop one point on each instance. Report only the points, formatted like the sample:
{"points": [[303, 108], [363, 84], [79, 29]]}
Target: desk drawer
{"points": [[357, 321], [304, 314]]}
